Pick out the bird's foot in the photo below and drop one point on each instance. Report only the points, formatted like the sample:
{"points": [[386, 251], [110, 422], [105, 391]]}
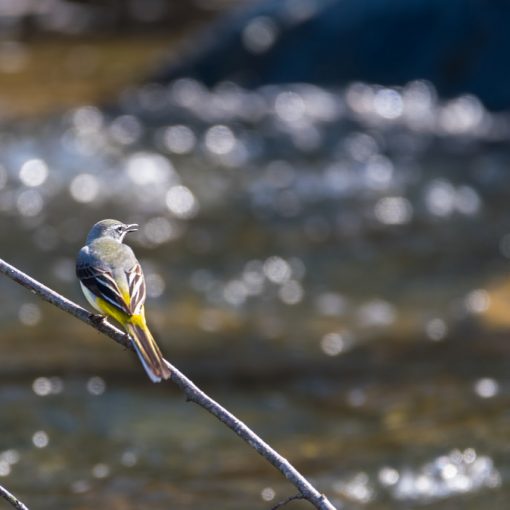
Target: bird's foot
{"points": [[97, 318]]}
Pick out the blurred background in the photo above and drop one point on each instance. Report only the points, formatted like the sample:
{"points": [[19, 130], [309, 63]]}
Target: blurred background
{"points": [[322, 188]]}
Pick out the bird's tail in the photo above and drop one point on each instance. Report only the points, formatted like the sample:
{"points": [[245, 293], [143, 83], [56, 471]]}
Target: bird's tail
{"points": [[147, 349]]}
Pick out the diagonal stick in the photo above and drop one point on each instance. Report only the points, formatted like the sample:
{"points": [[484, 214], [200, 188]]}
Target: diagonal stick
{"points": [[192, 392]]}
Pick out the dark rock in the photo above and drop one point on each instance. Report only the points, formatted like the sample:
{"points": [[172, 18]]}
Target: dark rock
{"points": [[461, 46]]}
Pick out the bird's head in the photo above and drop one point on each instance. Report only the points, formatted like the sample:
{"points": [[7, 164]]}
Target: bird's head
{"points": [[110, 228]]}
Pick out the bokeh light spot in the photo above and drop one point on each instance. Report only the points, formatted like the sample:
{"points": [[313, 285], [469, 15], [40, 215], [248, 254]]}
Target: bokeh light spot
{"points": [[159, 230], [96, 386], [388, 103], [181, 202], [220, 140], [377, 313], [101, 470], [87, 119], [29, 314], [268, 494], [5, 468], [277, 270], [126, 129], [388, 476], [440, 198], [477, 301], [84, 188], [334, 343], [393, 210], [30, 202], [436, 329], [291, 292], [33, 172], [145, 168], [179, 139], [40, 439], [486, 387], [129, 458], [42, 386], [259, 34], [155, 285], [289, 106]]}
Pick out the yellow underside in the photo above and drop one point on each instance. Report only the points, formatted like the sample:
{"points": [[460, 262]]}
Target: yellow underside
{"points": [[112, 311]]}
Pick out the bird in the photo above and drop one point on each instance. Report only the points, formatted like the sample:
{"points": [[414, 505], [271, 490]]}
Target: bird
{"points": [[112, 281]]}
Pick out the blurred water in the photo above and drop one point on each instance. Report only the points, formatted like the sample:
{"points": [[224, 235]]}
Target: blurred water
{"points": [[322, 217], [341, 245], [376, 445]]}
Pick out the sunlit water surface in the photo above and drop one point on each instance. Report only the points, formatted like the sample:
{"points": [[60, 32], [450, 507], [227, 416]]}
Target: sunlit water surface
{"points": [[324, 215], [84, 443], [285, 232]]}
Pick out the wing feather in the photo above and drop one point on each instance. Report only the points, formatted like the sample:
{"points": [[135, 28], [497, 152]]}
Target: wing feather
{"points": [[137, 290], [102, 284]]}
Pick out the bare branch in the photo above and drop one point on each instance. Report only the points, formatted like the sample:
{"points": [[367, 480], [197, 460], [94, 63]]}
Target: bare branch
{"points": [[288, 500], [192, 392], [13, 500]]}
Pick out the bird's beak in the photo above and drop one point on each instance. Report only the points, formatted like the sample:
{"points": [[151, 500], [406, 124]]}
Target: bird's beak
{"points": [[132, 228]]}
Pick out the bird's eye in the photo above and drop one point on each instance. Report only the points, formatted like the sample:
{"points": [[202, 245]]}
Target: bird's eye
{"points": [[119, 229]]}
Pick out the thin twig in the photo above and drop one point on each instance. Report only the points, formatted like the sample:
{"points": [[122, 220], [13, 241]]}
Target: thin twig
{"points": [[288, 500], [192, 392], [12, 499]]}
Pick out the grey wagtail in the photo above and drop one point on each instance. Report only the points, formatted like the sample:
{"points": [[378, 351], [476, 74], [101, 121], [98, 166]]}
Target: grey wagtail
{"points": [[112, 280]]}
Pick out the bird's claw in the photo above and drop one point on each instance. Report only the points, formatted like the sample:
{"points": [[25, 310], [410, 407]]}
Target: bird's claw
{"points": [[97, 318]]}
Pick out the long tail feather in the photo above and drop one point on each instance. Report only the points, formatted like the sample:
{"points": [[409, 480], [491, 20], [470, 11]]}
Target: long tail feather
{"points": [[147, 349]]}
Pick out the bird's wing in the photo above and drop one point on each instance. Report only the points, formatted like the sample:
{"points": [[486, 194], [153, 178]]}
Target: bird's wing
{"points": [[113, 274], [136, 286], [101, 282]]}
